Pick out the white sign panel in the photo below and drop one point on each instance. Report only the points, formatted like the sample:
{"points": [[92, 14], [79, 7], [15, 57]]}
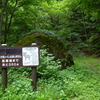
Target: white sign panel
{"points": [[30, 56]]}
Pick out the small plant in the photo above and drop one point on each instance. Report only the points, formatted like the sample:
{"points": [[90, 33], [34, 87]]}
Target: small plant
{"points": [[48, 66]]}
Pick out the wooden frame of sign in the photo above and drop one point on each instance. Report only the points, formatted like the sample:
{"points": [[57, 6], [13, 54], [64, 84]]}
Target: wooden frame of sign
{"points": [[19, 57]]}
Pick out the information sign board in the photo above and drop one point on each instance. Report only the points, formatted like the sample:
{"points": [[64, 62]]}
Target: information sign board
{"points": [[19, 56], [28, 58]]}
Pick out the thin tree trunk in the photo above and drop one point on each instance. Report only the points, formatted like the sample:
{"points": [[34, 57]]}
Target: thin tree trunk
{"points": [[8, 24], [6, 30], [0, 27], [1, 19]]}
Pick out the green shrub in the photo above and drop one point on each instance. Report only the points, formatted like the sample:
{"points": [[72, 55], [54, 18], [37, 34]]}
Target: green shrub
{"points": [[48, 67]]}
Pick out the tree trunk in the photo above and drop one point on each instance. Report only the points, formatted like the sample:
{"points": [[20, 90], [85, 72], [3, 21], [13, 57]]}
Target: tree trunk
{"points": [[1, 18], [8, 22], [0, 27]]}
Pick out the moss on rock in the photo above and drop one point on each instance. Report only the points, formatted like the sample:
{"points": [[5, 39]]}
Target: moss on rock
{"points": [[52, 44]]}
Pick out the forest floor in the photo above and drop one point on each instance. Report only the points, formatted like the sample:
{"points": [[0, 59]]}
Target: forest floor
{"points": [[93, 67], [78, 82], [93, 63]]}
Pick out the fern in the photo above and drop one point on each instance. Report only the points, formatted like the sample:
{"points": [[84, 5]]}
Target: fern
{"points": [[46, 32]]}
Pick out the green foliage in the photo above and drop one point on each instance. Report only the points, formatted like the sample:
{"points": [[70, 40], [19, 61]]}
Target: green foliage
{"points": [[48, 67], [77, 82], [77, 24], [74, 22], [18, 89], [74, 83], [47, 32]]}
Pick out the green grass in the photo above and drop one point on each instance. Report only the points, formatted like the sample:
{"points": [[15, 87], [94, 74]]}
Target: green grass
{"points": [[95, 62], [78, 82]]}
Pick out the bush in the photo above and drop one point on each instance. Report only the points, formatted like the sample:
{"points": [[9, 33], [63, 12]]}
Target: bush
{"points": [[48, 67]]}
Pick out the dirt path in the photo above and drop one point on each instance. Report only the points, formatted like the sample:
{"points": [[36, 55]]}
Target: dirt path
{"points": [[92, 67]]}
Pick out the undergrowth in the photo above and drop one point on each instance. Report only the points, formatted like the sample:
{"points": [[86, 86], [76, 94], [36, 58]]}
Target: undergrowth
{"points": [[77, 82]]}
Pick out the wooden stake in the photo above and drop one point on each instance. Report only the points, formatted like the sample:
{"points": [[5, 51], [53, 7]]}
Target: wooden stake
{"points": [[34, 74], [4, 74], [34, 78]]}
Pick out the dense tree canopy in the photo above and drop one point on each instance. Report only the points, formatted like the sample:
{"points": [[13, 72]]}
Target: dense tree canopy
{"points": [[75, 22]]}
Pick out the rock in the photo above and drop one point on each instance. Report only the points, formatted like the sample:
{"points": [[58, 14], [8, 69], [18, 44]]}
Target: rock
{"points": [[52, 44]]}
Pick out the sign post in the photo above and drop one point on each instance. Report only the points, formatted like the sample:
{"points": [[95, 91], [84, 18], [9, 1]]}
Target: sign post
{"points": [[34, 78], [34, 75], [4, 78], [19, 57], [4, 75]]}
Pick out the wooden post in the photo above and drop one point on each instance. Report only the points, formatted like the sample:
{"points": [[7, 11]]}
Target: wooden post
{"points": [[4, 74], [4, 78], [34, 78], [34, 74]]}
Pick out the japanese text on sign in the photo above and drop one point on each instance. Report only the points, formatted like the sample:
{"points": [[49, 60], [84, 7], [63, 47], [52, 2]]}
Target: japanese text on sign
{"points": [[10, 60], [19, 56]]}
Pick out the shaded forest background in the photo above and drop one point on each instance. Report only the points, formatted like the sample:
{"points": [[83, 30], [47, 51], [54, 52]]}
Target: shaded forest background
{"points": [[75, 22], [72, 23]]}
